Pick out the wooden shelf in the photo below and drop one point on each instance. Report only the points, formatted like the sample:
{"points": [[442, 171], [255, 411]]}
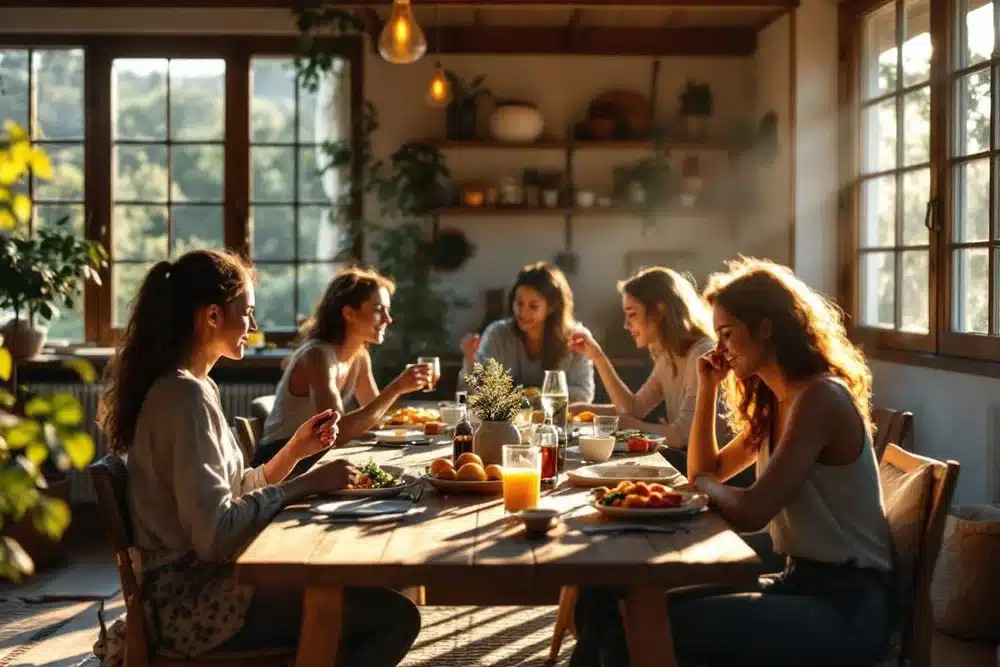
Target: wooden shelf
{"points": [[517, 212], [576, 145]]}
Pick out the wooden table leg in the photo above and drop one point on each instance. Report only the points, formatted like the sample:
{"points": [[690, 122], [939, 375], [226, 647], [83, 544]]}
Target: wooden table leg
{"points": [[319, 638], [564, 620], [647, 629]]}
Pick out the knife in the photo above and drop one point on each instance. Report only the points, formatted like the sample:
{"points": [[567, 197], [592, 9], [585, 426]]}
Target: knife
{"points": [[617, 528]]}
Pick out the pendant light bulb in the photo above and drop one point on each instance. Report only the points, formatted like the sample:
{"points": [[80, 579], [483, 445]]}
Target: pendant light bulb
{"points": [[439, 90], [402, 41]]}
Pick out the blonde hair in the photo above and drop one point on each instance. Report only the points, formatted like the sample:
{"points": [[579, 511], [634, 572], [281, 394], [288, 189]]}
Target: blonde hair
{"points": [[682, 316], [807, 334]]}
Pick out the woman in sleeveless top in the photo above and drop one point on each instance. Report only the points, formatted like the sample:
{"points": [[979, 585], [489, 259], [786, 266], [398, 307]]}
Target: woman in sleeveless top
{"points": [[798, 394], [665, 315], [194, 504], [332, 364]]}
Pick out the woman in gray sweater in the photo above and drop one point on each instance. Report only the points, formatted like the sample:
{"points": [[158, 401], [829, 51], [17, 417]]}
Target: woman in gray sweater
{"points": [[194, 504], [536, 338]]}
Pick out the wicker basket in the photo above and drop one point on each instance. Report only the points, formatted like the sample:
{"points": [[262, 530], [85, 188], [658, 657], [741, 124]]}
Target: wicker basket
{"points": [[965, 593]]}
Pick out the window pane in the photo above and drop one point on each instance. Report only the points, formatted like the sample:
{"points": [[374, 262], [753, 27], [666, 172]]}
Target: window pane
{"points": [[877, 290], [972, 187], [198, 172], [313, 279], [915, 292], [311, 180], [58, 93], [917, 42], [196, 227], [325, 114], [975, 31], [197, 99], [141, 173], [917, 126], [125, 282], [970, 290], [50, 215], [320, 238], [273, 174], [68, 326], [139, 232], [973, 105], [14, 75], [273, 232], [878, 212], [879, 59], [272, 86], [67, 174], [275, 291], [140, 99], [916, 192], [878, 133]]}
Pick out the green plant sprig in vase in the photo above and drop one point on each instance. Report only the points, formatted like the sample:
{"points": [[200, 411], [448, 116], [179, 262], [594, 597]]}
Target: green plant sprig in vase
{"points": [[496, 401]]}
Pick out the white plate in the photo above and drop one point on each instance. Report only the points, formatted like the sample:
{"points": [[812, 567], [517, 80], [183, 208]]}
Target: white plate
{"points": [[694, 503], [363, 508], [398, 434], [657, 440], [609, 474], [406, 481]]}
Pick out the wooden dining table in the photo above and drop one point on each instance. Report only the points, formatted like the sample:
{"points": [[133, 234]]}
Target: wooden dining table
{"points": [[465, 550]]}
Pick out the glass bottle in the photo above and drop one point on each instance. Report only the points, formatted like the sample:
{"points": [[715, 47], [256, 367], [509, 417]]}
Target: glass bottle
{"points": [[546, 437], [462, 441]]}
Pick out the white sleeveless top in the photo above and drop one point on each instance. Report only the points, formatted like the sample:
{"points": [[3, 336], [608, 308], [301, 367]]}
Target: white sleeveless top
{"points": [[838, 516], [290, 410]]}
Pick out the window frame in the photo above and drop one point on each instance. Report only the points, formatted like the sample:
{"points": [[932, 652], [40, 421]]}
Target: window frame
{"points": [[98, 135], [941, 347]]}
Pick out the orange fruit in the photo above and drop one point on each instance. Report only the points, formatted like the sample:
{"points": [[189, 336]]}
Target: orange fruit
{"points": [[494, 472], [447, 474], [439, 465], [471, 472], [468, 457]]}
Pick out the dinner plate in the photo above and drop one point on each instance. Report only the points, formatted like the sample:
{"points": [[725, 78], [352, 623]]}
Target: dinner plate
{"points": [[399, 435], [692, 504], [406, 482], [456, 487], [362, 508], [609, 474], [621, 446]]}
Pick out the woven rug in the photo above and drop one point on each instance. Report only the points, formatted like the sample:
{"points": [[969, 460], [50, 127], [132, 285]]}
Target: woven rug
{"points": [[24, 625]]}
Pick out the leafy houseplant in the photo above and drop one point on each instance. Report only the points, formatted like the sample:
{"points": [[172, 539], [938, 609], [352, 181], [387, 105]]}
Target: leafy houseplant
{"points": [[696, 109], [461, 113], [496, 401]]}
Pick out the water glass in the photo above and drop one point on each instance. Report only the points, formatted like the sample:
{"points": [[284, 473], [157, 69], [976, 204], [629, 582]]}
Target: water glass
{"points": [[522, 477], [435, 365], [451, 413], [605, 425]]}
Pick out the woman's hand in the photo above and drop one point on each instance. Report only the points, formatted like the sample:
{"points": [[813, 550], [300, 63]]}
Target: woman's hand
{"points": [[413, 378], [712, 369], [628, 421], [331, 476], [582, 342], [470, 345], [316, 434]]}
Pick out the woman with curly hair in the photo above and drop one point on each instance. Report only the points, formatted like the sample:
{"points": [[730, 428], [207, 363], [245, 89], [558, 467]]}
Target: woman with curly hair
{"points": [[799, 398]]}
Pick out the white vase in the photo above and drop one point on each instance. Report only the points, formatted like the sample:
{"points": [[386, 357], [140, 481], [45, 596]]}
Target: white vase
{"points": [[516, 123], [490, 438]]}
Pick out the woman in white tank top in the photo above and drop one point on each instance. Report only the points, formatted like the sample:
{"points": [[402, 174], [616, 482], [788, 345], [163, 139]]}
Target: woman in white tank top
{"points": [[332, 364], [799, 395]]}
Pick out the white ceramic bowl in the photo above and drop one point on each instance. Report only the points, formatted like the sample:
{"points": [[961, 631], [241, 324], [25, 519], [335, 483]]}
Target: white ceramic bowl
{"points": [[597, 448], [539, 520]]}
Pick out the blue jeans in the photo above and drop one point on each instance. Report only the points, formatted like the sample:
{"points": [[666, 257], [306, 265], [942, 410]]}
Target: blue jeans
{"points": [[812, 614]]}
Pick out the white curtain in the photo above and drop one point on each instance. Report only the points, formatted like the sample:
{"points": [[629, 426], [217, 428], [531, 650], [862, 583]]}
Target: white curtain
{"points": [[333, 124]]}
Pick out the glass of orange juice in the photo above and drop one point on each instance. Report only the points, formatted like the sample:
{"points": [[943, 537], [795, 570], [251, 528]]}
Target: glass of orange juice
{"points": [[522, 477]]}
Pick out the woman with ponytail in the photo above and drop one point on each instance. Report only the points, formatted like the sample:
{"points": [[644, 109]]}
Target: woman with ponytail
{"points": [[194, 504]]}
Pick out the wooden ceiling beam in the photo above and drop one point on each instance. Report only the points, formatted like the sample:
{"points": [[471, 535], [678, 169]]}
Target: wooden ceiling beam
{"points": [[272, 4], [599, 40]]}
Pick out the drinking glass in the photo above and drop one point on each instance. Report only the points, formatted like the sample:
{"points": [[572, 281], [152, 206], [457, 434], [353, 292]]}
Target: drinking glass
{"points": [[435, 365], [451, 413], [555, 402], [605, 425], [522, 477]]}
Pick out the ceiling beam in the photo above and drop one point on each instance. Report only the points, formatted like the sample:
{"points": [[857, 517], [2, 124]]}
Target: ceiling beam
{"points": [[279, 4]]}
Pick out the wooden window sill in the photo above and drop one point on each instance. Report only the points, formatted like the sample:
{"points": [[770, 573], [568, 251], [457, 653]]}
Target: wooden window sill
{"points": [[936, 361]]}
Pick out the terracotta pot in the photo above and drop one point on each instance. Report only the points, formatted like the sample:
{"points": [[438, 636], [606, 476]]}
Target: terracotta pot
{"points": [[23, 340], [516, 123], [490, 438]]}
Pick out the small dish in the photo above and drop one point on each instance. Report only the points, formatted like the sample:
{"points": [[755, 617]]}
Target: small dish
{"points": [[538, 521], [597, 448]]}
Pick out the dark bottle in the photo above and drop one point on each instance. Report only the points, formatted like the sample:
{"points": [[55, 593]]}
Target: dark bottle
{"points": [[462, 441]]}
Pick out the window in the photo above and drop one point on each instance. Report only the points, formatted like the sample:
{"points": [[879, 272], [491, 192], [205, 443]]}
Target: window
{"points": [[42, 91], [922, 234], [191, 143]]}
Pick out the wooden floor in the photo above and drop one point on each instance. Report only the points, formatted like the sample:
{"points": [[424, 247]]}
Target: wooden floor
{"points": [[55, 630]]}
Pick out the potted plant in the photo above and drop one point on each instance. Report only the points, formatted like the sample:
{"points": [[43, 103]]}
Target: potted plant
{"points": [[461, 112], [696, 109], [496, 401]]}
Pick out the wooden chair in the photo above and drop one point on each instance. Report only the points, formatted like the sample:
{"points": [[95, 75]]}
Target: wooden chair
{"points": [[110, 477], [917, 628], [891, 426], [247, 432]]}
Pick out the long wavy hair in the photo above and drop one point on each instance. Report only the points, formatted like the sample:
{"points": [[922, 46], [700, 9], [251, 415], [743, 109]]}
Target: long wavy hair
{"points": [[161, 329], [807, 336], [351, 286], [551, 283], [681, 316]]}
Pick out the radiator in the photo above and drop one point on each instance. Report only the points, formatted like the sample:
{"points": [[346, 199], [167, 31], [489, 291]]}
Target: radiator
{"points": [[236, 399]]}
